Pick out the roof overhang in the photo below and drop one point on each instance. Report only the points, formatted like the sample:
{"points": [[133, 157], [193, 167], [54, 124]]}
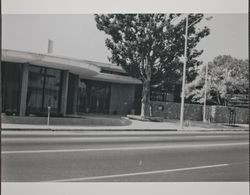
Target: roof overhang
{"points": [[83, 68], [115, 78], [75, 66]]}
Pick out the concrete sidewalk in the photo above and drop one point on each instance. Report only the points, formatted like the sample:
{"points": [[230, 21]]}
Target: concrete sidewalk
{"points": [[134, 126]]}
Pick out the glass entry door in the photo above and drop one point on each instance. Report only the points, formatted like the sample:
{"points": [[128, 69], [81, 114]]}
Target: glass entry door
{"points": [[99, 97], [93, 96]]}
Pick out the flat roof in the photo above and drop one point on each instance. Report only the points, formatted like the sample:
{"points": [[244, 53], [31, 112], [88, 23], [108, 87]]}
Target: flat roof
{"points": [[106, 66], [84, 68]]}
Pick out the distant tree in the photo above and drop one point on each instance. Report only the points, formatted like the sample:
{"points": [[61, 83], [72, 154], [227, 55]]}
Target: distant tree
{"points": [[149, 47], [227, 76]]}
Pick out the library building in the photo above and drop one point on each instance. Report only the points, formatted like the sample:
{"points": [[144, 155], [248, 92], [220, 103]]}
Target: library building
{"points": [[32, 82]]}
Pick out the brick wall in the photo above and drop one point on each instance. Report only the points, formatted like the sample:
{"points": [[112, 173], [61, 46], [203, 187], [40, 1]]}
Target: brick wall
{"points": [[220, 114], [171, 110], [216, 114]]}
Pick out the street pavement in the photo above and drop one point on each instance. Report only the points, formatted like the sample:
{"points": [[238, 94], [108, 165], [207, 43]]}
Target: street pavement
{"points": [[160, 156]]}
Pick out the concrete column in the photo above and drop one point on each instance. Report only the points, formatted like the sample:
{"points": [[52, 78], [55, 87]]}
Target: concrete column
{"points": [[24, 89], [75, 94], [65, 81]]}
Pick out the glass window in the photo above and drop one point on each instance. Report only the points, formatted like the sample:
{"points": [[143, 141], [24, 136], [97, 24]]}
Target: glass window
{"points": [[52, 90], [82, 96], [35, 89], [43, 90], [11, 87]]}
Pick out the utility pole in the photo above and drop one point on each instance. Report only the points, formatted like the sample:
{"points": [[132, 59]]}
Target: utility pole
{"points": [[184, 70], [205, 95], [184, 76]]}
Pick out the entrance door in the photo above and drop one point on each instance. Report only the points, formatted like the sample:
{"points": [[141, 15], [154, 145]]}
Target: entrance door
{"points": [[99, 97]]}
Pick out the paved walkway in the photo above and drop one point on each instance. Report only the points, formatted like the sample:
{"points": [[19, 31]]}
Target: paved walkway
{"points": [[134, 126]]}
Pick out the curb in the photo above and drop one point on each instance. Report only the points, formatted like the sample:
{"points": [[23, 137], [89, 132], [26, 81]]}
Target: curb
{"points": [[114, 130], [117, 130]]}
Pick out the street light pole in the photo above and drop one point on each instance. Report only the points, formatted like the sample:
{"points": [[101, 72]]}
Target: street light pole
{"points": [[184, 76], [205, 96]]}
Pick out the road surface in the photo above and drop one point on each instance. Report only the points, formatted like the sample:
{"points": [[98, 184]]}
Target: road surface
{"points": [[124, 156]]}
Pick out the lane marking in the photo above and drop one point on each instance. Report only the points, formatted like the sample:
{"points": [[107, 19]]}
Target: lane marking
{"points": [[211, 136], [238, 163], [121, 148], [138, 173]]}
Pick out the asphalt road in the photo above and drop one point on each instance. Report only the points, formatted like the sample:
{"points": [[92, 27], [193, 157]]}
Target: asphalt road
{"points": [[124, 156]]}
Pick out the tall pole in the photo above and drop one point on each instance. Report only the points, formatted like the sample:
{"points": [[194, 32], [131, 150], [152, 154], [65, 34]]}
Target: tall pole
{"points": [[205, 96], [184, 76]]}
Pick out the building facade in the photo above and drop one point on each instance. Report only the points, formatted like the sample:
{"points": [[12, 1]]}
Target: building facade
{"points": [[33, 82]]}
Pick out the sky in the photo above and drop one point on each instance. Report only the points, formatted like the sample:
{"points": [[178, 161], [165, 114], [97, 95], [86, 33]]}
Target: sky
{"points": [[77, 36]]}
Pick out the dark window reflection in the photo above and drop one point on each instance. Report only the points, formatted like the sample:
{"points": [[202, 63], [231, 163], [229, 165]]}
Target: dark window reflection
{"points": [[99, 97], [52, 89], [43, 90], [93, 96], [82, 97], [11, 87]]}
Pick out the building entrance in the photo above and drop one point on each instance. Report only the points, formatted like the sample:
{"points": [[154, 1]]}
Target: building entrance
{"points": [[93, 96]]}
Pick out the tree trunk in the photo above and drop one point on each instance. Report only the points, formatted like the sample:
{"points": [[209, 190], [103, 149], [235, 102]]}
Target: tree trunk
{"points": [[145, 102], [218, 98]]}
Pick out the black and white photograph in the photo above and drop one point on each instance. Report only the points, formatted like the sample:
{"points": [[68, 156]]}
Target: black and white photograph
{"points": [[125, 98]]}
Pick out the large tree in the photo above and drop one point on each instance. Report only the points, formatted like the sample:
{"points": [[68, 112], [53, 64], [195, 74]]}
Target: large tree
{"points": [[227, 76], [149, 47]]}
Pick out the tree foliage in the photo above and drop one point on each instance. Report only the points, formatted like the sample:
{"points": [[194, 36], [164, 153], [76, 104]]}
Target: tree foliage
{"points": [[227, 76], [149, 46]]}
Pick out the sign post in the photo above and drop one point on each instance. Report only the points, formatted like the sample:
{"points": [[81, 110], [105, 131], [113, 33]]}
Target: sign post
{"points": [[49, 108]]}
